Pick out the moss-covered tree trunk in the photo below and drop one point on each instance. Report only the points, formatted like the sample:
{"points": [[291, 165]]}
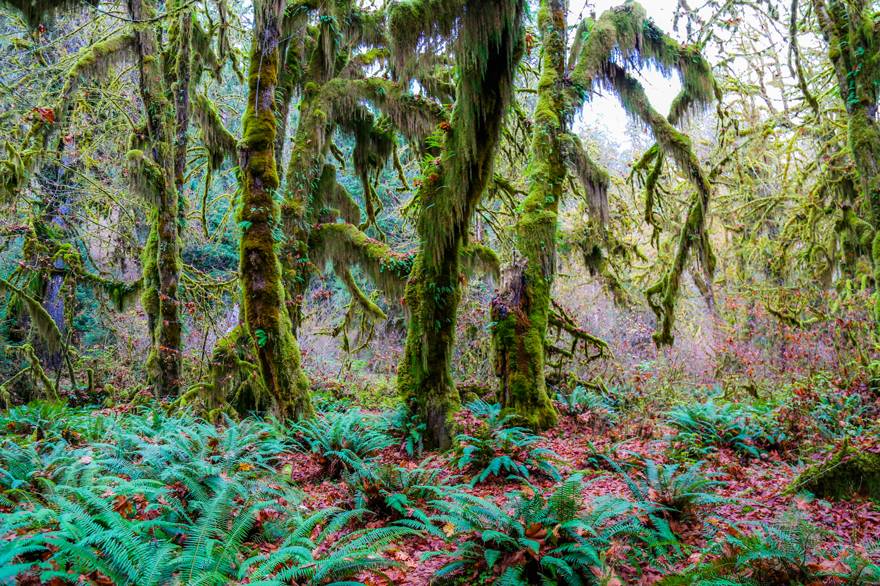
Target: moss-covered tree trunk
{"points": [[163, 266], [309, 151], [264, 298], [853, 39], [520, 310], [489, 46]]}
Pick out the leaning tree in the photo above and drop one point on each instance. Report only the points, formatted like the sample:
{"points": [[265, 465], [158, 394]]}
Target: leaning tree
{"points": [[603, 54], [486, 38]]}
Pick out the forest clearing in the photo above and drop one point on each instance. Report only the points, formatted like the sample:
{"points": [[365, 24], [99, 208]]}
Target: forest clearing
{"points": [[308, 292]]}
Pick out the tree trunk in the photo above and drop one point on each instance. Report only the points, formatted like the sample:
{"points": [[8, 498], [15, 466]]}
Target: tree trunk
{"points": [[853, 47], [165, 266], [432, 296], [520, 310], [264, 299], [448, 197]]}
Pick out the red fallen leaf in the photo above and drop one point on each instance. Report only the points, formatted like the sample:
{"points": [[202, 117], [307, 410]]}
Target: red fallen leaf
{"points": [[123, 506], [47, 115], [829, 566]]}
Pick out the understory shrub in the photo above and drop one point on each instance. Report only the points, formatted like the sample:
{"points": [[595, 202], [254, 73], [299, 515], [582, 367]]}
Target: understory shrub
{"points": [[703, 427], [496, 448]]}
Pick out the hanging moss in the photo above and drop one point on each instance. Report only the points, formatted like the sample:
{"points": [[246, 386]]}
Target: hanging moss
{"points": [[146, 178], [488, 43], [592, 177], [96, 60], [412, 115], [219, 142], [42, 322], [13, 172], [333, 197], [627, 32], [347, 246]]}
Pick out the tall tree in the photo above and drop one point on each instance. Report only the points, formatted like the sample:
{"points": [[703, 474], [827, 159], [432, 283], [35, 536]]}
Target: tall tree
{"points": [[522, 309], [331, 55], [487, 40], [265, 311], [157, 155], [852, 31]]}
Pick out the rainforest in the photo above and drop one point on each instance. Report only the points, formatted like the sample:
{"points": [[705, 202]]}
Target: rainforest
{"points": [[440, 292]]}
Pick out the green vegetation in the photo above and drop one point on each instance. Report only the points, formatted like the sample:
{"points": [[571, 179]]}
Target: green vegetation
{"points": [[437, 292]]}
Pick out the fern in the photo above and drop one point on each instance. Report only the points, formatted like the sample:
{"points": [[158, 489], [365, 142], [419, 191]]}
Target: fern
{"points": [[497, 449], [703, 427], [531, 538], [583, 400], [341, 441], [316, 560], [781, 552]]}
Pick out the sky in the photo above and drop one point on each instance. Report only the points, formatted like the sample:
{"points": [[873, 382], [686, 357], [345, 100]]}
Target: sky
{"points": [[605, 110]]}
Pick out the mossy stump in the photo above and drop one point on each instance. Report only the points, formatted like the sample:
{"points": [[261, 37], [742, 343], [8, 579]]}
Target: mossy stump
{"points": [[848, 473]]}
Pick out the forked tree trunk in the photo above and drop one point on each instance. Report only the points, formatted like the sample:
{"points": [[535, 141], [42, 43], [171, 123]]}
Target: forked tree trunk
{"points": [[448, 198], [521, 308]]}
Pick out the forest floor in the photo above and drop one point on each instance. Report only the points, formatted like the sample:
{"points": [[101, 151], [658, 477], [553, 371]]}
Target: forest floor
{"points": [[694, 491], [757, 489]]}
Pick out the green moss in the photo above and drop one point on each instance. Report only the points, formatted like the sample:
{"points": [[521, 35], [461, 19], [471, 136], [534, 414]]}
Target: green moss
{"points": [[264, 302], [520, 310], [219, 142], [488, 43], [849, 472], [346, 246]]}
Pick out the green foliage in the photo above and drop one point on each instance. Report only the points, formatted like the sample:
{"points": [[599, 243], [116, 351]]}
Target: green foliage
{"points": [[531, 538], [703, 427], [675, 492], [315, 553], [145, 498], [409, 428], [782, 552], [586, 400], [341, 441], [837, 415], [395, 492], [497, 448]]}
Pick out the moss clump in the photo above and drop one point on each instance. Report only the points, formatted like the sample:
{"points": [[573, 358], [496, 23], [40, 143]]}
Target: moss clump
{"points": [[849, 472], [219, 142]]}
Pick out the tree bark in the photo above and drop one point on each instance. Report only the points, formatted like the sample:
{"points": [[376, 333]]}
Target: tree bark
{"points": [[164, 361], [265, 311], [520, 309], [853, 44], [448, 197]]}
